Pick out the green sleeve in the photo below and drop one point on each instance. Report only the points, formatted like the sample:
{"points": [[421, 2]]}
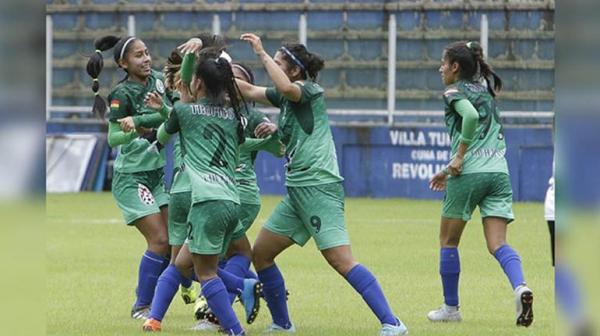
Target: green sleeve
{"points": [[162, 135], [308, 89], [117, 137], [149, 120], [172, 126], [452, 94], [119, 105], [469, 120], [273, 96], [270, 144], [187, 68]]}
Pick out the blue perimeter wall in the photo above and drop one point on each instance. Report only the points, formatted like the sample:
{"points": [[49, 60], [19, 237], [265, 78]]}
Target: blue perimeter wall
{"points": [[398, 162]]}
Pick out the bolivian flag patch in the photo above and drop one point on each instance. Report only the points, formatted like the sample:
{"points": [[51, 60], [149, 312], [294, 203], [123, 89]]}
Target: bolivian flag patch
{"points": [[114, 104]]}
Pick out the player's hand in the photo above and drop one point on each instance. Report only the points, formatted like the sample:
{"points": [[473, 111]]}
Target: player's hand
{"points": [[254, 41], [456, 165], [438, 181], [153, 100], [192, 45], [264, 129], [126, 124]]}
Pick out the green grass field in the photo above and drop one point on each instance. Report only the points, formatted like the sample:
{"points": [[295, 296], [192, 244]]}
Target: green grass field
{"points": [[92, 260]]}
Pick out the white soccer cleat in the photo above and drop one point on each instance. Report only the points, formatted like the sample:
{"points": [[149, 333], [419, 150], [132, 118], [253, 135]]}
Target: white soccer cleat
{"points": [[524, 300], [206, 325], [275, 329], [394, 330], [445, 314]]}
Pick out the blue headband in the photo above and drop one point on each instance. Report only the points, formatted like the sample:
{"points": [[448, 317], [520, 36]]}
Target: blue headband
{"points": [[297, 61]]}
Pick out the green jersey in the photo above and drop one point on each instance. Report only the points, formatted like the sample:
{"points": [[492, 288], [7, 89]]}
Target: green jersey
{"points": [[127, 99], [245, 175], [181, 181], [208, 134], [304, 130], [486, 152]]}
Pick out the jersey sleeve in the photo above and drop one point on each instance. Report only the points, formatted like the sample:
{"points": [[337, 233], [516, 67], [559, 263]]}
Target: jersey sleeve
{"points": [[119, 105], [255, 118], [309, 90], [453, 94], [172, 124], [274, 96]]}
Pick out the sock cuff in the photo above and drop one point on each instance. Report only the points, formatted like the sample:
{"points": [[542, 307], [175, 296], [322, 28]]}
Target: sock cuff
{"points": [[360, 277], [212, 287], [505, 253], [269, 273], [154, 257]]}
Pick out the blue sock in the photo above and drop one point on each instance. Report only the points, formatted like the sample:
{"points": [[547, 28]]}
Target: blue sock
{"points": [[365, 283], [568, 295], [166, 288], [151, 266], [511, 264], [216, 295], [450, 272], [274, 292], [222, 263], [250, 275], [233, 283], [185, 282], [237, 265]]}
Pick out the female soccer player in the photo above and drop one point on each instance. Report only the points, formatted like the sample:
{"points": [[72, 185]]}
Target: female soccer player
{"points": [[210, 133], [137, 183], [478, 176], [314, 206]]}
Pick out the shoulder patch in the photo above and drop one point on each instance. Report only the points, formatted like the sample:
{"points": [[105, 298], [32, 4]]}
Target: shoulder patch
{"points": [[115, 103], [450, 91]]}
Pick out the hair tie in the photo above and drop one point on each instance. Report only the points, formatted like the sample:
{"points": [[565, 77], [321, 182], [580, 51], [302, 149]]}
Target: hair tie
{"points": [[470, 44], [94, 79], [294, 59]]}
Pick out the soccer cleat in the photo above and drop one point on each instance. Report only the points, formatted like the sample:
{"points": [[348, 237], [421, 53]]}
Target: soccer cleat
{"points": [[445, 314], [151, 325], [202, 311], [140, 313], [190, 294], [250, 298], [206, 325], [524, 300], [275, 329], [394, 330]]}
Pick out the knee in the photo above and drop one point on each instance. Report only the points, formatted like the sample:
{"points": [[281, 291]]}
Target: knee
{"points": [[449, 241], [494, 245], [159, 244], [341, 263], [260, 258]]}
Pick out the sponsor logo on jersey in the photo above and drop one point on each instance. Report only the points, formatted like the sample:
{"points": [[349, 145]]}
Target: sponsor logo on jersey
{"points": [[114, 104], [145, 195], [160, 86]]}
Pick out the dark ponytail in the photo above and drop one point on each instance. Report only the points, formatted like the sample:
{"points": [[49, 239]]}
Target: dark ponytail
{"points": [[309, 63], [172, 68], [96, 63], [469, 56], [220, 85]]}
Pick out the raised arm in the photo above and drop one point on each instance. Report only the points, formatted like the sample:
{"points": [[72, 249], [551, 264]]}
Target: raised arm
{"points": [[283, 84]]}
